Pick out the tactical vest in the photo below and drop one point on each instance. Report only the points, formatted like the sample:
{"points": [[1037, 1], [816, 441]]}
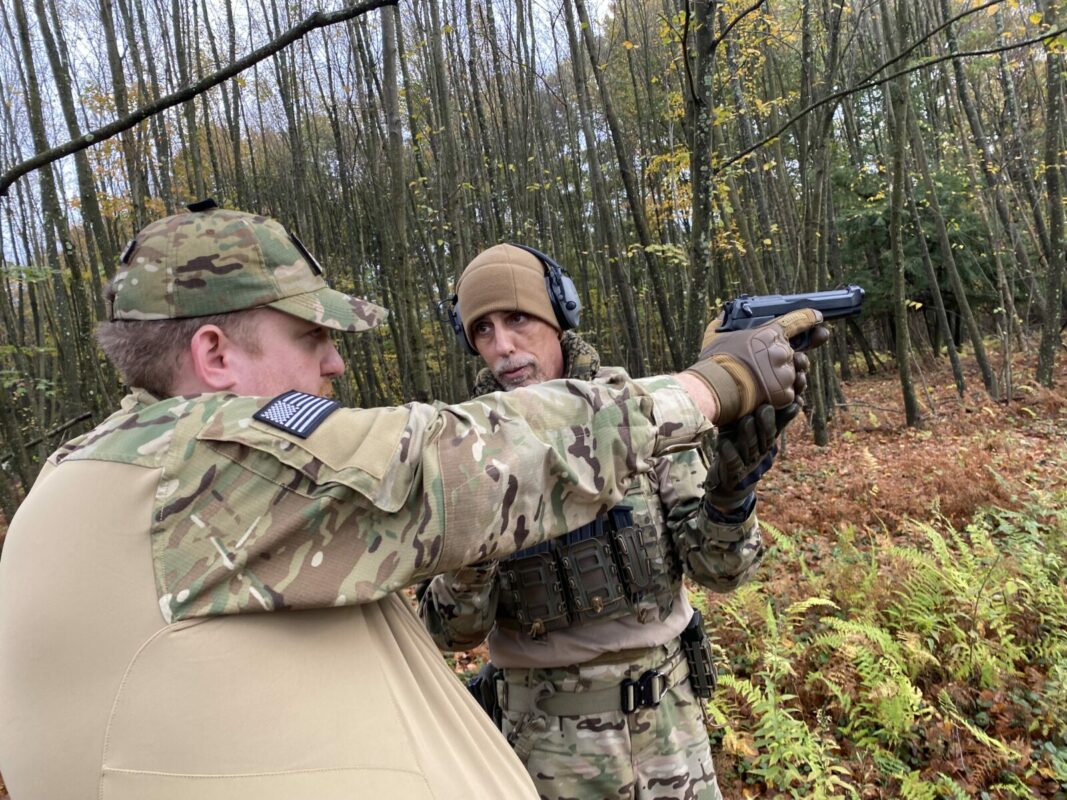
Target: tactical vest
{"points": [[604, 570]]}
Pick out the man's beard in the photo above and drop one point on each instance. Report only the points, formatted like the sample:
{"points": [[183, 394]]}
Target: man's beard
{"points": [[530, 375]]}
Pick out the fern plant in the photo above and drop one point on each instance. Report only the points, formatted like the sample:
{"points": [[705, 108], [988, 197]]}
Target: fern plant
{"points": [[785, 753], [887, 705], [927, 664]]}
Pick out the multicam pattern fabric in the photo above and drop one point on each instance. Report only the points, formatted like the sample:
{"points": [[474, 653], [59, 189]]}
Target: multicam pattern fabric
{"points": [[212, 262], [656, 752], [459, 609], [248, 518], [720, 556], [659, 753]]}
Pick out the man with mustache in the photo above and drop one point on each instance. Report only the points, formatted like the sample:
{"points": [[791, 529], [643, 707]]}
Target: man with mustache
{"points": [[199, 597], [600, 666]]}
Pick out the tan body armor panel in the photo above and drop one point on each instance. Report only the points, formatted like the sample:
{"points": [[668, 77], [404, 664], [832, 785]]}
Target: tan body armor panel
{"points": [[362, 689]]}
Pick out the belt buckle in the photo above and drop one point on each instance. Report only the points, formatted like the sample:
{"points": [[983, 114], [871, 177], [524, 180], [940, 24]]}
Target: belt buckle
{"points": [[645, 692]]}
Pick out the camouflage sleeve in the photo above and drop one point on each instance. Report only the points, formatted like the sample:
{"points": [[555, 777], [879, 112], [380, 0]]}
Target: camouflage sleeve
{"points": [[459, 607], [249, 518], [718, 555]]}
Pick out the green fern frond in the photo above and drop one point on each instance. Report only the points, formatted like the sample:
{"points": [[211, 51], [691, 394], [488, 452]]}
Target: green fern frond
{"points": [[948, 788], [801, 607], [787, 544], [950, 710], [914, 787]]}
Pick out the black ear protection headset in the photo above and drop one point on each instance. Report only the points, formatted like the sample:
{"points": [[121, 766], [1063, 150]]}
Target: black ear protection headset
{"points": [[562, 294]]}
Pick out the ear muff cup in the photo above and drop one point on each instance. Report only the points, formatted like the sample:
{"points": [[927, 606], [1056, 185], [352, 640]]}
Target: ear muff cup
{"points": [[457, 325], [562, 295]]}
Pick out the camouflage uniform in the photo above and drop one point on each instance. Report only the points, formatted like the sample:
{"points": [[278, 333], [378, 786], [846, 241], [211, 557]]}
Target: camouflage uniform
{"points": [[133, 661], [660, 752]]}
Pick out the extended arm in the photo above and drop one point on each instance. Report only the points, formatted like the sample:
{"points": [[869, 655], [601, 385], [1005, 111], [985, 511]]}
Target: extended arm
{"points": [[375, 500]]}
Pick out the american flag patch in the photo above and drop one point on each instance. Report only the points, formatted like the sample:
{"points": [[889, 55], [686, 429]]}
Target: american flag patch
{"points": [[296, 412]]}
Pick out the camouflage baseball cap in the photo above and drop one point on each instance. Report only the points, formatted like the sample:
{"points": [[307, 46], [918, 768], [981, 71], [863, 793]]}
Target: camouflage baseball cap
{"points": [[211, 261]]}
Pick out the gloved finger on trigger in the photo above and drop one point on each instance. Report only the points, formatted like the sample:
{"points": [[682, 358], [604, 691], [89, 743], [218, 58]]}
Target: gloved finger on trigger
{"points": [[798, 321], [818, 336]]}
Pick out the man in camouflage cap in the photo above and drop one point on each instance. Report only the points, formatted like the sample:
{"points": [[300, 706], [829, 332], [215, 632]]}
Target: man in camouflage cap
{"points": [[198, 598], [600, 666]]}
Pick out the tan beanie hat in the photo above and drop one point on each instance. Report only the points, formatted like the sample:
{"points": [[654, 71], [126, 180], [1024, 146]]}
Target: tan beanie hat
{"points": [[503, 278]]}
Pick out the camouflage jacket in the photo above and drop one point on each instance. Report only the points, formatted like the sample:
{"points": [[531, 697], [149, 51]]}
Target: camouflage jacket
{"points": [[246, 517], [459, 608]]}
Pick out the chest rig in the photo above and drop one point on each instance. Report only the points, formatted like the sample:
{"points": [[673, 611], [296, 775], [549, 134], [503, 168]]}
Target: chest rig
{"points": [[606, 569]]}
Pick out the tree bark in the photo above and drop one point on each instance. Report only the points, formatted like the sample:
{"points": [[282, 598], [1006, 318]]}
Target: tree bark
{"points": [[1054, 170], [636, 361], [415, 370]]}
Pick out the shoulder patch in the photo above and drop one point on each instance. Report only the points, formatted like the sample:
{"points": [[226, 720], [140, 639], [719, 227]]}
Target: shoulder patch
{"points": [[296, 412]]}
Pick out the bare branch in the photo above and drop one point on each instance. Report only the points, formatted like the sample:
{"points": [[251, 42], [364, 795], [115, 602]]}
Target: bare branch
{"points": [[312, 22], [930, 34], [870, 84]]}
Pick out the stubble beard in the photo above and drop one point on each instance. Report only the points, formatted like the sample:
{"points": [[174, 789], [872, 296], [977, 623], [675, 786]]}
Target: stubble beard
{"points": [[530, 376]]}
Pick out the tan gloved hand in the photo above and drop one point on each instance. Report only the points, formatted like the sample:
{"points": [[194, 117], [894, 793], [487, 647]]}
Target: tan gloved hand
{"points": [[747, 368]]}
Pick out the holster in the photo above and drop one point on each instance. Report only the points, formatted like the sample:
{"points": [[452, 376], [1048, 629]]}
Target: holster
{"points": [[697, 651], [483, 688]]}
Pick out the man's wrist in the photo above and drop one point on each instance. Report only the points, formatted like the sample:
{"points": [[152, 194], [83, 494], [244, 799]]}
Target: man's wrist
{"points": [[700, 393], [734, 515]]}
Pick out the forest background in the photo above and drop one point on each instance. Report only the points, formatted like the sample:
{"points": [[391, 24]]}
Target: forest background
{"points": [[671, 154]]}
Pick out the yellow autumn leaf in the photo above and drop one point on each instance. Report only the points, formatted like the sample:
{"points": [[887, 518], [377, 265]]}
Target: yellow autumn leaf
{"points": [[739, 745], [629, 45], [1035, 18]]}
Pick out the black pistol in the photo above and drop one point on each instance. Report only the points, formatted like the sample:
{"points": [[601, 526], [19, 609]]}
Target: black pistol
{"points": [[750, 311]]}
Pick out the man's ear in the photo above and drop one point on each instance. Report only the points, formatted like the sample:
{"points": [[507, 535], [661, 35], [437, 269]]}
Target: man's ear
{"points": [[213, 357]]}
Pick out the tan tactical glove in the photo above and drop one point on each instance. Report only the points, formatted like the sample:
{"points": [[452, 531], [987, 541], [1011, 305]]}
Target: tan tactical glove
{"points": [[747, 368]]}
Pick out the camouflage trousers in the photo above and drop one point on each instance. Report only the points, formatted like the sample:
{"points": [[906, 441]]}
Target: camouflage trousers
{"points": [[657, 753]]}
